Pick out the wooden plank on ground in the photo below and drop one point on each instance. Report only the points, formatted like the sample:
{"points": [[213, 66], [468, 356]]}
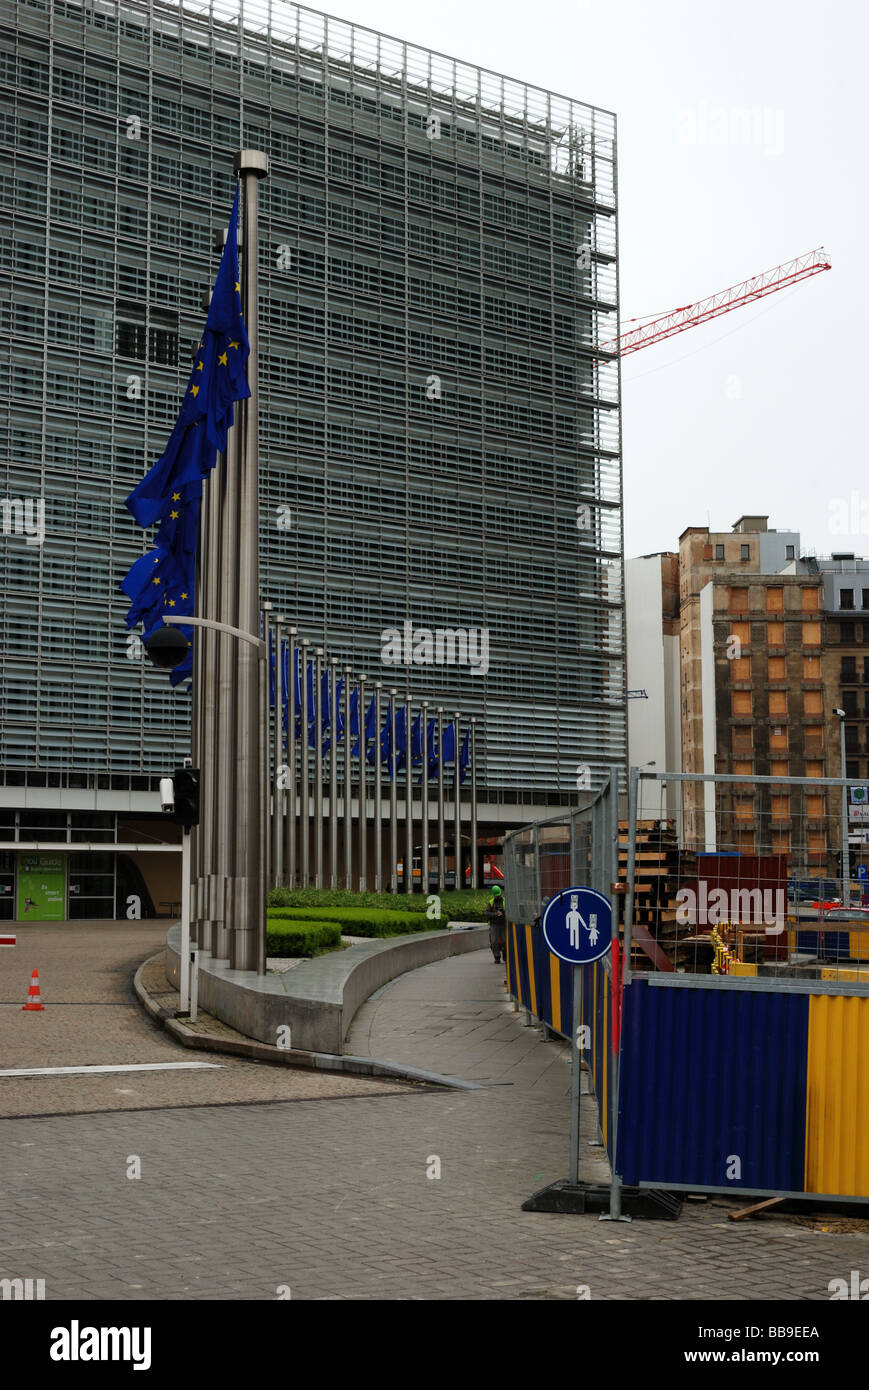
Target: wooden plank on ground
{"points": [[758, 1206]]}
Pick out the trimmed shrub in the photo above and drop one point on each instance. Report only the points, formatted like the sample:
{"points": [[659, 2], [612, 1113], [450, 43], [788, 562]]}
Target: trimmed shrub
{"points": [[362, 921], [462, 906], [298, 937], [467, 905]]}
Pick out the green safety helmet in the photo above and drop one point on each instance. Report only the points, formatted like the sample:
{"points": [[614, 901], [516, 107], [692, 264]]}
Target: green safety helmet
{"points": [[496, 890]]}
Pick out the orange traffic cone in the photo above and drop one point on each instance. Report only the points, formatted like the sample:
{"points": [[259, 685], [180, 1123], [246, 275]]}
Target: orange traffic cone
{"points": [[33, 1004]]}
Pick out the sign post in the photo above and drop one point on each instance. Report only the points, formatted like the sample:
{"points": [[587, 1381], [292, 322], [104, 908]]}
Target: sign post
{"points": [[577, 927]]}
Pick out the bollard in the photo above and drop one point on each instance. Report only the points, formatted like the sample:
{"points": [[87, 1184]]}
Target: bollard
{"points": [[194, 983]]}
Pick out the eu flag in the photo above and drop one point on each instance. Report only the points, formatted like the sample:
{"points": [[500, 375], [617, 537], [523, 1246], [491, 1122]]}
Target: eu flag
{"points": [[339, 708], [416, 751], [354, 717], [163, 582], [385, 741], [370, 722], [465, 756], [400, 737], [297, 691], [448, 748], [217, 381], [285, 681], [432, 748], [312, 711], [325, 700], [336, 724]]}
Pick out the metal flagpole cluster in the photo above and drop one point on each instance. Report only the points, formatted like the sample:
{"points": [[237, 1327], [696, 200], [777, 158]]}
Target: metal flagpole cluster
{"points": [[287, 748], [331, 737], [230, 690], [257, 827]]}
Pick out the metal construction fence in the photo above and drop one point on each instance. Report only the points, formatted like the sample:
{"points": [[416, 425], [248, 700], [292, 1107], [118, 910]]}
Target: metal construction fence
{"points": [[727, 1031]]}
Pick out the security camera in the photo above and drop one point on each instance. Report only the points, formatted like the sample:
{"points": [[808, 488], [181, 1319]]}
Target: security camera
{"points": [[840, 712], [167, 795]]}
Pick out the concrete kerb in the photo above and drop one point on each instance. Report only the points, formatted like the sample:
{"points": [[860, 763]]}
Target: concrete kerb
{"points": [[318, 1005]]}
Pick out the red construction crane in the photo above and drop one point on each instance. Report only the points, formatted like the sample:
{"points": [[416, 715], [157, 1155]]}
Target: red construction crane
{"points": [[722, 303]]}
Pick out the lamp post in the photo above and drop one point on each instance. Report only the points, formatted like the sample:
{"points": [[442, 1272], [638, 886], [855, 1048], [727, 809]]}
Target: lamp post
{"points": [[846, 862]]}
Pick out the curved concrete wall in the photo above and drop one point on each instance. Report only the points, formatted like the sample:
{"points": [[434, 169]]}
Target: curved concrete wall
{"points": [[318, 999]]}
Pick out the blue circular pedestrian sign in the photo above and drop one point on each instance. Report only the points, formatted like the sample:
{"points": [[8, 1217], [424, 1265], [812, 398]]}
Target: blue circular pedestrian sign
{"points": [[577, 925]]}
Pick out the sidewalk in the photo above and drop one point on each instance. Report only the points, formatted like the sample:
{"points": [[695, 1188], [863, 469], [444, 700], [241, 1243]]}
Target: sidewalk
{"points": [[262, 1183], [91, 1018], [455, 1017]]}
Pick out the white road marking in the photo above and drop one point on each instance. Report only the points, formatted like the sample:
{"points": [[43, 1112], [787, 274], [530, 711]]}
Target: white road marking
{"points": [[89, 1071]]}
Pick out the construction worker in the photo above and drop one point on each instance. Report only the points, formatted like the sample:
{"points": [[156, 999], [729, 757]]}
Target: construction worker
{"points": [[497, 915]]}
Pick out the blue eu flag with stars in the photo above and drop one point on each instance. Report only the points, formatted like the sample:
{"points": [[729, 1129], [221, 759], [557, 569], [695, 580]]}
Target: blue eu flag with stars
{"points": [[163, 581]]}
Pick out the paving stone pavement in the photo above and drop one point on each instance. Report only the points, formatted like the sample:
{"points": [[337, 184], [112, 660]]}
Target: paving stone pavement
{"points": [[92, 1017], [330, 1196]]}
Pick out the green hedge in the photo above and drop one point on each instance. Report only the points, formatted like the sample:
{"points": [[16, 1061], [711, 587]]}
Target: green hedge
{"points": [[299, 937], [466, 906], [461, 906], [362, 921]]}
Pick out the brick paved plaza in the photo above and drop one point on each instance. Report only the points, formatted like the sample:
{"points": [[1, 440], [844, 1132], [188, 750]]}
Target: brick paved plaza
{"points": [[255, 1177]]}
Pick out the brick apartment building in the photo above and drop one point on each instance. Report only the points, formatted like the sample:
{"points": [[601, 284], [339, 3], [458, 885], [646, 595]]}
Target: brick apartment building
{"points": [[765, 655]]}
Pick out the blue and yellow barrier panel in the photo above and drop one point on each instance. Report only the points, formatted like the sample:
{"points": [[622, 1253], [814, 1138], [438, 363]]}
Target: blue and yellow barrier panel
{"points": [[543, 984], [744, 1089], [732, 1087]]}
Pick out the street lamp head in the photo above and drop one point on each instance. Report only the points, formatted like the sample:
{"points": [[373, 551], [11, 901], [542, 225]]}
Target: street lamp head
{"points": [[167, 647]]}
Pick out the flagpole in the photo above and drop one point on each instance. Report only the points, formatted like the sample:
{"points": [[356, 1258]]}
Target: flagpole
{"points": [[333, 774], [318, 767], [423, 871], [277, 875], [290, 830], [248, 923], [457, 809], [218, 739], [348, 786], [393, 798], [305, 788], [199, 836], [378, 791], [408, 800], [441, 828], [201, 722], [264, 730], [264, 858], [475, 873], [225, 724], [209, 716], [362, 876]]}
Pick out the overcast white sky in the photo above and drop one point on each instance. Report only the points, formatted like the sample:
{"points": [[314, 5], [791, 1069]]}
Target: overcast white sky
{"points": [[764, 409]]}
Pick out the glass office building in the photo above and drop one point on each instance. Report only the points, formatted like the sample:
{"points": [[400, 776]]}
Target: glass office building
{"points": [[440, 422]]}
